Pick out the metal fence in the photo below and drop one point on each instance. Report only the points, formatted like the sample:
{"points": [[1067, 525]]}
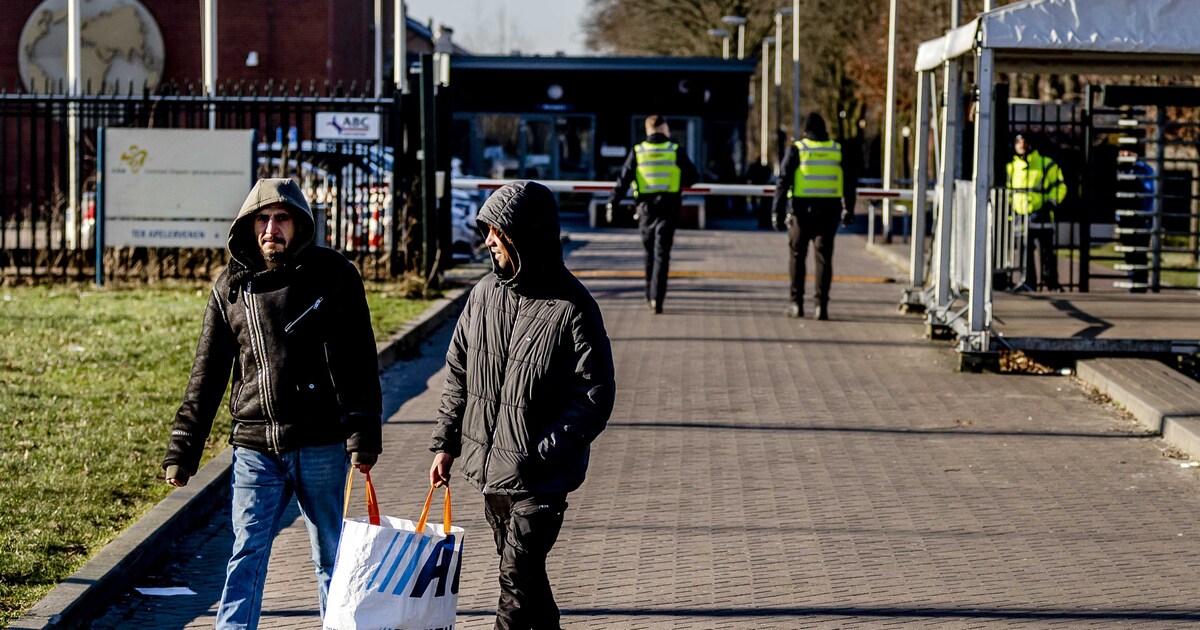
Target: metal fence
{"points": [[1058, 132], [1144, 162], [351, 185]]}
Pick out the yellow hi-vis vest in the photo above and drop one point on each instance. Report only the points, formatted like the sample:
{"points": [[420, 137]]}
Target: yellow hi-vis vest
{"points": [[657, 171], [820, 170], [1033, 181]]}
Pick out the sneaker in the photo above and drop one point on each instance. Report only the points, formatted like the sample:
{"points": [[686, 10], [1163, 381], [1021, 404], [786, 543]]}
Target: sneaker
{"points": [[656, 306], [822, 313], [795, 311]]}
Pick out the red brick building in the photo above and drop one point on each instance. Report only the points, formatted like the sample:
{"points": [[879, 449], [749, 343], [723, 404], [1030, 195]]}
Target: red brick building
{"points": [[281, 40]]}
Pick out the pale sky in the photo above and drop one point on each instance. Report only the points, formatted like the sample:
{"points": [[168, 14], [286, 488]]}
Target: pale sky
{"points": [[534, 27]]}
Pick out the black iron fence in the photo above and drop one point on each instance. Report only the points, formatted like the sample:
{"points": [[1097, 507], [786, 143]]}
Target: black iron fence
{"points": [[360, 191], [1031, 242], [1144, 168], [1130, 219]]}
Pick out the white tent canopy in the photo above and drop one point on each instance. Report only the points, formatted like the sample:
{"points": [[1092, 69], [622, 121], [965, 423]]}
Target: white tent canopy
{"points": [[1032, 36], [1091, 36]]}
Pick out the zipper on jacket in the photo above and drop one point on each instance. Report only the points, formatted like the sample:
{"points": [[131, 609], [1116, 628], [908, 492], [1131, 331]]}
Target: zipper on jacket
{"points": [[487, 457], [287, 329], [329, 370], [264, 379]]}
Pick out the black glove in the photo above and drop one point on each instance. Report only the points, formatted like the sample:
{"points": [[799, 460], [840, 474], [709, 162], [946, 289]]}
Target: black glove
{"points": [[847, 217], [179, 474], [778, 224]]}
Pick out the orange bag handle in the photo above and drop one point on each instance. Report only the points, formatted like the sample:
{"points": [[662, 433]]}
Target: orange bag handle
{"points": [[372, 500], [445, 511]]}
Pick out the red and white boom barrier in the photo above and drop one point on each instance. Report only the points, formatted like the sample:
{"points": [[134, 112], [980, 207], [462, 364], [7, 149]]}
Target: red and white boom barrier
{"points": [[733, 190]]}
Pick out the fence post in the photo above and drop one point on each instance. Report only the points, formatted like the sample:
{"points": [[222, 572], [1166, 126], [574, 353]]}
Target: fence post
{"points": [[428, 170], [442, 125], [98, 227], [395, 139]]}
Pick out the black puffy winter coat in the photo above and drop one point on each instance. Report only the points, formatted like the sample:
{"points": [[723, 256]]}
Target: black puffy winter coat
{"points": [[530, 380], [297, 340]]}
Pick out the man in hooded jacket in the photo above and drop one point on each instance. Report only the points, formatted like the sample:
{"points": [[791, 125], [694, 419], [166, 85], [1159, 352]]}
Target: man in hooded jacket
{"points": [[529, 387], [814, 189], [289, 319]]}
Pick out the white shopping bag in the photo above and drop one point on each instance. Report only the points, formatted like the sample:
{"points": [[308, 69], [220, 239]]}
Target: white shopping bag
{"points": [[393, 574]]}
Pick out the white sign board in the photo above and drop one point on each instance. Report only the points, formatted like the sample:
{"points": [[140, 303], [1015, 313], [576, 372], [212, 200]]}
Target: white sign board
{"points": [[348, 126], [174, 187]]}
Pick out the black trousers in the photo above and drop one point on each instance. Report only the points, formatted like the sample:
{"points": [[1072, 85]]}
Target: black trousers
{"points": [[1045, 263], [813, 220], [526, 527], [657, 221]]}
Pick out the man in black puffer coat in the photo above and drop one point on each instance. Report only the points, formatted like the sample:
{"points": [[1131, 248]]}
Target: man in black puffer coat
{"points": [[530, 385], [290, 320]]}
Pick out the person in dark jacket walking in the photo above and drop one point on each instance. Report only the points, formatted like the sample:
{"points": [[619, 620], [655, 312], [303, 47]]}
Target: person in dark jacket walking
{"points": [[529, 387], [289, 319], [814, 189], [659, 170]]}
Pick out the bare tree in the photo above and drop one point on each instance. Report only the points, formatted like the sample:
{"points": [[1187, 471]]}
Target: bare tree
{"points": [[680, 28], [843, 50]]}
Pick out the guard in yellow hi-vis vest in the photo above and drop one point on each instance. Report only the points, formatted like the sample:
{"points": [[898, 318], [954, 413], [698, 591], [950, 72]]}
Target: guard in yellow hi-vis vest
{"points": [[1035, 187], [813, 191], [659, 170]]}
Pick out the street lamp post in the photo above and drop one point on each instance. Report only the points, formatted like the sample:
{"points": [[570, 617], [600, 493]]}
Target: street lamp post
{"points": [[740, 23], [780, 138], [889, 120], [796, 68], [400, 46], [724, 35], [763, 158]]}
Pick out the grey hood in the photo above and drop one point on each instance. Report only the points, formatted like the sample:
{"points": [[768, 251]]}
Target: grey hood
{"points": [[527, 213], [242, 244]]}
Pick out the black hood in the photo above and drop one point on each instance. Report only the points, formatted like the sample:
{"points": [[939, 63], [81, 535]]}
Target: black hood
{"points": [[527, 213]]}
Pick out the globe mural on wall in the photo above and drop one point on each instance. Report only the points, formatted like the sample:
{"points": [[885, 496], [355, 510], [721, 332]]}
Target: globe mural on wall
{"points": [[122, 46]]}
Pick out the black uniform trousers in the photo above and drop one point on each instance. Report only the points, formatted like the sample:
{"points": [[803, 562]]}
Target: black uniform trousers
{"points": [[1045, 263], [526, 527], [658, 216], [812, 219]]}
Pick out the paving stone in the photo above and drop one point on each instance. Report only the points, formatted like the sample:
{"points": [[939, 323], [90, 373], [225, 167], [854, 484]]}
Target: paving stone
{"points": [[765, 472]]}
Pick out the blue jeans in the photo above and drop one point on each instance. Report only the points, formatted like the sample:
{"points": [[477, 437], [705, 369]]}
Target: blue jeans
{"points": [[263, 485]]}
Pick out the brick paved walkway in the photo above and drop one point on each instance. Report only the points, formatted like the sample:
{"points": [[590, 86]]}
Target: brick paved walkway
{"points": [[762, 472]]}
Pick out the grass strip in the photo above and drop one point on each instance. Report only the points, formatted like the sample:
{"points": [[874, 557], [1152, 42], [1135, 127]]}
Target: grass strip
{"points": [[90, 380]]}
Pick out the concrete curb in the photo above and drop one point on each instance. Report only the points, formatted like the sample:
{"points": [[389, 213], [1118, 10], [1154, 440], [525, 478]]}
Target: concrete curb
{"points": [[75, 601], [1163, 400]]}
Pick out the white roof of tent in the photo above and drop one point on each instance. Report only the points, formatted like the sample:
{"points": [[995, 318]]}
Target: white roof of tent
{"points": [[1091, 35]]}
